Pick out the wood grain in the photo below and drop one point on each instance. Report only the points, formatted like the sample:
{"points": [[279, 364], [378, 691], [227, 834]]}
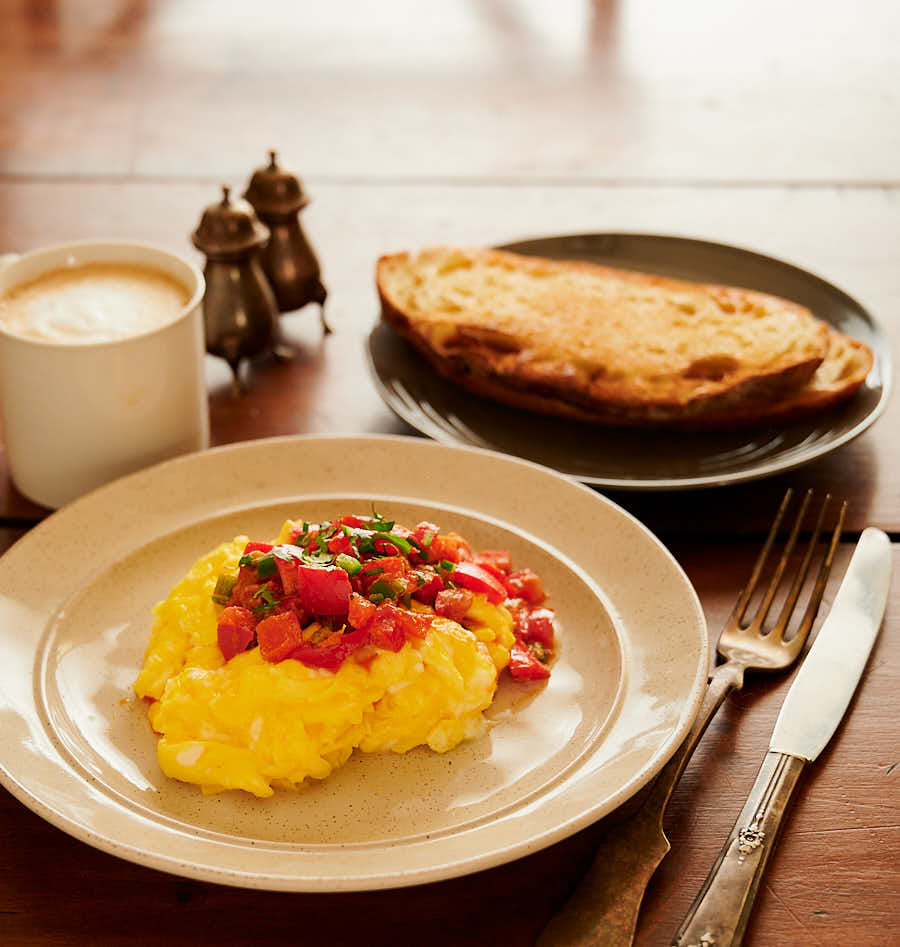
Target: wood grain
{"points": [[604, 90], [830, 879], [768, 125]]}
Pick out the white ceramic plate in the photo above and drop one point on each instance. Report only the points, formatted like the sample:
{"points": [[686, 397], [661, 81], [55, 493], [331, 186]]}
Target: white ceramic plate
{"points": [[77, 590]]}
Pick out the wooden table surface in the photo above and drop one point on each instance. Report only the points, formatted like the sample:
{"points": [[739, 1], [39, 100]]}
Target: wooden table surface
{"points": [[767, 125]]}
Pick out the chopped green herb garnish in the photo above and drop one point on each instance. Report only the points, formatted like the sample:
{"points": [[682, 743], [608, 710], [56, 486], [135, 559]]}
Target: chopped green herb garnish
{"points": [[317, 558], [266, 566], [267, 601], [287, 552], [378, 522], [395, 540], [365, 544], [224, 586], [350, 565], [539, 651], [428, 538], [382, 588], [418, 545]]}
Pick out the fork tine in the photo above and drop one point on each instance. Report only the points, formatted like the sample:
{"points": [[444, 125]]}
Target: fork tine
{"points": [[740, 606], [766, 603], [791, 600], [815, 599]]}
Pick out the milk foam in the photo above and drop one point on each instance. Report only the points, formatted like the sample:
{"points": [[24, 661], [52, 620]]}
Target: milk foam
{"points": [[96, 302]]}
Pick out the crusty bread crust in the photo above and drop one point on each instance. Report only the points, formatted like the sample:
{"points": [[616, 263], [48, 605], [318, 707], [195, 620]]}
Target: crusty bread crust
{"points": [[837, 379], [604, 345]]}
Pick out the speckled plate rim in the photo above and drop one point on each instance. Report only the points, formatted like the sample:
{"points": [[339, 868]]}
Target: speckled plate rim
{"points": [[419, 416], [659, 618]]}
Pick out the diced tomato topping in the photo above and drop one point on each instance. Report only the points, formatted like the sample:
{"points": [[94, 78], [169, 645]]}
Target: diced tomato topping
{"points": [[293, 603], [385, 548], [387, 567], [422, 531], [519, 609], [386, 631], [246, 587], [523, 583], [524, 666], [413, 623], [453, 603], [278, 635], [395, 570], [325, 590], [331, 640], [426, 593], [287, 572], [331, 656], [340, 544], [299, 592], [361, 612], [392, 625], [476, 579], [258, 547], [420, 551], [496, 561], [235, 629], [451, 547], [540, 627]]}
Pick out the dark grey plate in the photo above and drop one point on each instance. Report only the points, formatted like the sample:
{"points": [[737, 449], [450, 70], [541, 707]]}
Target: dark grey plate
{"points": [[644, 460]]}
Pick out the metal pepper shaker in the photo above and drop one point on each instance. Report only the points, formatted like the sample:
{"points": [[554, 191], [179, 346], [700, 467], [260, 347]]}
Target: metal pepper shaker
{"points": [[277, 196], [240, 312]]}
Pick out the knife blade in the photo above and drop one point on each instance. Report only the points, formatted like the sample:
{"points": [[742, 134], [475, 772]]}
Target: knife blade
{"points": [[815, 705], [827, 679]]}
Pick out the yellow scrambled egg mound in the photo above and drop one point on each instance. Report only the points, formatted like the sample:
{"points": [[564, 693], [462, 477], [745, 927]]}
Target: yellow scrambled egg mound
{"points": [[253, 725]]}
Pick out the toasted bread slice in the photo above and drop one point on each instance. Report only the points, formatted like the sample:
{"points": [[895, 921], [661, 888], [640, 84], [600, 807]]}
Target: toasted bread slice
{"points": [[837, 379], [601, 344]]}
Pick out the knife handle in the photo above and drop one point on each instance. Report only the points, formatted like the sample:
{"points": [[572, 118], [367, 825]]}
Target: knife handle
{"points": [[720, 912]]}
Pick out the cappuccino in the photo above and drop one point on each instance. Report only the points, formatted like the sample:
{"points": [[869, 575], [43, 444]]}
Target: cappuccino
{"points": [[92, 302]]}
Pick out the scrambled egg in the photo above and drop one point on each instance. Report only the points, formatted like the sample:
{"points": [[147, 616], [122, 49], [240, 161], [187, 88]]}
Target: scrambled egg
{"points": [[253, 725]]}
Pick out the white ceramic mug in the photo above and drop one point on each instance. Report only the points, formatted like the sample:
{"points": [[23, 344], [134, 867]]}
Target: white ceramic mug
{"points": [[76, 416]]}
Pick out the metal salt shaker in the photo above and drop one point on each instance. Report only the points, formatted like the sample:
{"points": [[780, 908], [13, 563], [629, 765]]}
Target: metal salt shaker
{"points": [[240, 312], [277, 196]]}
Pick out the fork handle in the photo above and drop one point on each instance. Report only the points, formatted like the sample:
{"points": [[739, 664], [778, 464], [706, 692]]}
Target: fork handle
{"points": [[603, 910], [720, 912]]}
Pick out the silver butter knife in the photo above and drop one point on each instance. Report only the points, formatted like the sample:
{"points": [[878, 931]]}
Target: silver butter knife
{"points": [[812, 710]]}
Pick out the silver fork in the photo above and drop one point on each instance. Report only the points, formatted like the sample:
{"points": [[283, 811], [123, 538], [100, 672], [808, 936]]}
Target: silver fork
{"points": [[603, 910]]}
